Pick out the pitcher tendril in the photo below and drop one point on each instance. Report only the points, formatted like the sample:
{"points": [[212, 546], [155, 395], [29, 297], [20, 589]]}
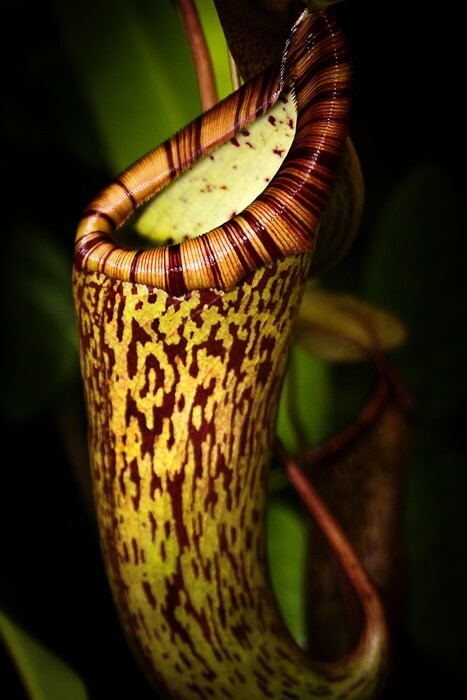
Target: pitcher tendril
{"points": [[183, 350]]}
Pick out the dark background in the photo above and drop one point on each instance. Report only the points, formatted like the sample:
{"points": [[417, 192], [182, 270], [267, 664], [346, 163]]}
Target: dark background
{"points": [[407, 122]]}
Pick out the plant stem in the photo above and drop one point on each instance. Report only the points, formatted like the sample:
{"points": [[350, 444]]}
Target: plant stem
{"points": [[374, 619], [359, 474], [200, 52], [390, 387]]}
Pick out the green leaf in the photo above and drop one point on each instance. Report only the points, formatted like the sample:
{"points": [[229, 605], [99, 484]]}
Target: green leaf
{"points": [[286, 551], [40, 348], [303, 417], [45, 675], [135, 70], [342, 328], [217, 45]]}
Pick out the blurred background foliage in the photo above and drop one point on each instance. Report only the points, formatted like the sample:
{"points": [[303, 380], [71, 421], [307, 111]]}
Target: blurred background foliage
{"points": [[87, 88]]}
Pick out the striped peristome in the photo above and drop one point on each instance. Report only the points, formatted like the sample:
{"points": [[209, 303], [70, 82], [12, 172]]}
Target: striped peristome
{"points": [[183, 349], [282, 220]]}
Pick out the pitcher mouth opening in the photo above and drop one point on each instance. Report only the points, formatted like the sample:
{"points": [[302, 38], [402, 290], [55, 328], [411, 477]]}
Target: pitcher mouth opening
{"points": [[217, 186], [121, 233]]}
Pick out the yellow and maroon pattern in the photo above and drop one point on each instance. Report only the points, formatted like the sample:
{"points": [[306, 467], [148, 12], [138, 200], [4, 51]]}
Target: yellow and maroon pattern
{"points": [[283, 220], [182, 397], [183, 351]]}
